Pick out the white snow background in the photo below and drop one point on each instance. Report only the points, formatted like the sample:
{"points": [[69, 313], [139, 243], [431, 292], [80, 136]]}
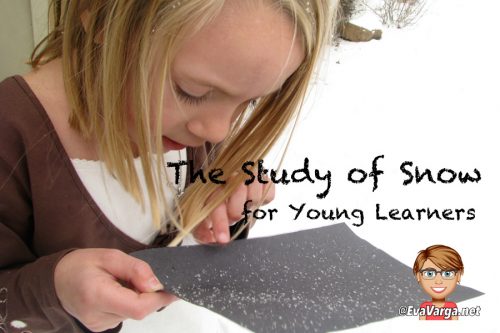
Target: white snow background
{"points": [[427, 94]]}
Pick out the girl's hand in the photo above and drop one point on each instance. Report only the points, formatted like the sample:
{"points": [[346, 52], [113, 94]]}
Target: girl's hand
{"points": [[215, 228], [90, 284]]}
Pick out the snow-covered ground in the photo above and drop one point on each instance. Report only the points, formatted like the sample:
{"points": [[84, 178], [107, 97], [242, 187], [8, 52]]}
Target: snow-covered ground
{"points": [[427, 94]]}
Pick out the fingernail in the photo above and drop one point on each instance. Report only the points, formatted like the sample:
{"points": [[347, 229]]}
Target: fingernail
{"points": [[154, 284], [223, 237]]}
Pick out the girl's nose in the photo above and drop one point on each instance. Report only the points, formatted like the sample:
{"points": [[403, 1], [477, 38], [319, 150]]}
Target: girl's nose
{"points": [[212, 126], [213, 131]]}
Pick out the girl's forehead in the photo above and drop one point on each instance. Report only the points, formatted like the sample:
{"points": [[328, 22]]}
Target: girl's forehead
{"points": [[248, 50], [429, 264]]}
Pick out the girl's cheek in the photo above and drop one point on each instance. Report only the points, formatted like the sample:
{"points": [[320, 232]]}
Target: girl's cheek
{"points": [[169, 109], [166, 119], [172, 119]]}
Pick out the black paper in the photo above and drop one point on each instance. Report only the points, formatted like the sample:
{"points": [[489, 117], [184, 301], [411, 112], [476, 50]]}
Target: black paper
{"points": [[315, 280]]}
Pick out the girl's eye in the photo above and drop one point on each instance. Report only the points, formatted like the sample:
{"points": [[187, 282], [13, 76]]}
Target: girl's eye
{"points": [[189, 99], [429, 274], [448, 274]]}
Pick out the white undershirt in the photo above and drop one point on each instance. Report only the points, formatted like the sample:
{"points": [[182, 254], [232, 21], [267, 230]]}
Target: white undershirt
{"points": [[117, 204]]}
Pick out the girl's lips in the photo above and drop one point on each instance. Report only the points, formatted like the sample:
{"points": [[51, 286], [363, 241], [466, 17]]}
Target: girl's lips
{"points": [[438, 289], [169, 144]]}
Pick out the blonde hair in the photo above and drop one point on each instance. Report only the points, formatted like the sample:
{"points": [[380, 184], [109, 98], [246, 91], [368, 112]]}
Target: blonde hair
{"points": [[108, 66]]}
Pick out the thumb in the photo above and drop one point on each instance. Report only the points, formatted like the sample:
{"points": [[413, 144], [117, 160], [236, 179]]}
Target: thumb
{"points": [[132, 270]]}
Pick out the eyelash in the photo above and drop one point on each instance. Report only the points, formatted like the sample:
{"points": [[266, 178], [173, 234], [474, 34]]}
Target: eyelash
{"points": [[189, 99], [193, 100]]}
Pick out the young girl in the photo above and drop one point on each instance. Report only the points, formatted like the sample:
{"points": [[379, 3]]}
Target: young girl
{"points": [[82, 140]]}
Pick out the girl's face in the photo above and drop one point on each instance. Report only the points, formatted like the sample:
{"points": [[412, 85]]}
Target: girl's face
{"points": [[246, 52], [436, 282]]}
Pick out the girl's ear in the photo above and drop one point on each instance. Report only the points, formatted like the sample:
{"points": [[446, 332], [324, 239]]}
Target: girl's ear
{"points": [[418, 277], [459, 276]]}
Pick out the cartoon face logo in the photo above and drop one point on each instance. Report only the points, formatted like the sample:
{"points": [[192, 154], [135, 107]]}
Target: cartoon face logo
{"points": [[436, 282], [438, 269]]}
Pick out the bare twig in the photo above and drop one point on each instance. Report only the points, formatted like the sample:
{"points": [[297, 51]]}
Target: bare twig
{"points": [[399, 13]]}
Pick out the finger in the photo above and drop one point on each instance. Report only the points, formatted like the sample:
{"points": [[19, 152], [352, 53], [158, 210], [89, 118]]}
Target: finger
{"points": [[269, 193], [220, 223], [127, 303], [236, 202], [255, 193], [132, 270], [203, 232]]}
